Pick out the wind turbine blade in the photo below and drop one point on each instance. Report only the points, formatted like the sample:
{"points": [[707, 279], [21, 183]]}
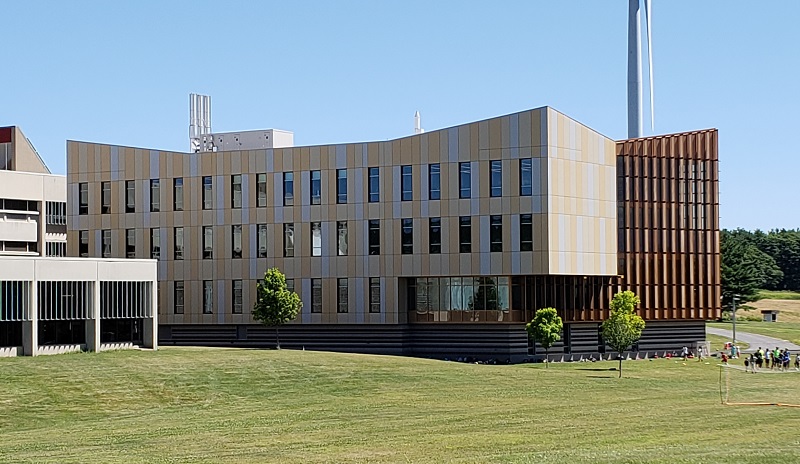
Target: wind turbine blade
{"points": [[647, 9]]}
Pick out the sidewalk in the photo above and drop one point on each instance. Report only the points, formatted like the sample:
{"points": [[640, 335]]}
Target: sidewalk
{"points": [[754, 340]]}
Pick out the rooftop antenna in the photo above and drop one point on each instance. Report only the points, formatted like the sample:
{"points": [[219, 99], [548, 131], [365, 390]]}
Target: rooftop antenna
{"points": [[417, 128], [635, 113]]}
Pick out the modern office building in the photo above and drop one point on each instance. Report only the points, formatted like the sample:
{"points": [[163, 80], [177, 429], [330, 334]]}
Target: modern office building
{"points": [[442, 243], [50, 304]]}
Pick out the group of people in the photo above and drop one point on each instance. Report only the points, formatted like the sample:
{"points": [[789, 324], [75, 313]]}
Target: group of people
{"points": [[770, 359]]}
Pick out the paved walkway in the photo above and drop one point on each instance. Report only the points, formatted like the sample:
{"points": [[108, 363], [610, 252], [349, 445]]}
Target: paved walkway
{"points": [[754, 340]]}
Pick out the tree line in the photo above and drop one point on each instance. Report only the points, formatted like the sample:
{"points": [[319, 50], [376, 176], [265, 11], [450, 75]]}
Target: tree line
{"points": [[759, 260]]}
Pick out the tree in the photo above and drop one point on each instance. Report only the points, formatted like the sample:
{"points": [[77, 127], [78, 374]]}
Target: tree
{"points": [[623, 326], [275, 305], [545, 328]]}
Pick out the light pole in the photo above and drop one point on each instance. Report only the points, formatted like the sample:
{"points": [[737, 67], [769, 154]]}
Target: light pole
{"points": [[735, 297]]}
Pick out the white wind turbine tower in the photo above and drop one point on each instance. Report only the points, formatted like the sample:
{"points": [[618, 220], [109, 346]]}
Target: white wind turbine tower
{"points": [[635, 111]]}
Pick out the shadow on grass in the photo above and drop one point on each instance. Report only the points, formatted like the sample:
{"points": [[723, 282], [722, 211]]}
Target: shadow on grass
{"points": [[597, 369]]}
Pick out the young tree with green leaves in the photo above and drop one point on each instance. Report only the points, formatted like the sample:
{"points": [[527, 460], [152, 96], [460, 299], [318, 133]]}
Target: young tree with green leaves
{"points": [[275, 305], [623, 326], [545, 328]]}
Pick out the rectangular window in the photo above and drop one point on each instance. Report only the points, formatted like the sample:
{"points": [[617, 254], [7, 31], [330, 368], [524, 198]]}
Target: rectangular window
{"points": [[435, 236], [374, 237], [178, 298], [105, 197], [155, 243], [316, 187], [496, 178], [407, 236], [288, 240], [290, 285], [208, 242], [464, 180], [262, 240], [237, 297], [316, 239], [83, 246], [208, 297], [316, 295], [155, 195], [341, 296], [341, 186], [525, 177], [526, 232], [83, 198], [261, 190], [465, 234], [341, 238], [236, 191], [374, 185], [406, 190], [434, 182], [288, 189], [208, 194], [130, 196], [496, 233], [178, 243], [106, 243], [177, 194], [130, 243], [374, 294], [236, 242]]}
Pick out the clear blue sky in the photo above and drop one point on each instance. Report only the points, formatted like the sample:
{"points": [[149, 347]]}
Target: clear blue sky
{"points": [[344, 71]]}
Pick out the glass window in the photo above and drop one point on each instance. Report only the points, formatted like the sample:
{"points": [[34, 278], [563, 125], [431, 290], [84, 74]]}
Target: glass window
{"points": [[465, 180], [341, 186], [406, 192], [288, 189], [374, 294], [465, 234], [435, 236], [155, 195], [208, 200], [105, 198], [130, 243], [208, 297], [236, 191], [407, 236], [106, 244], [316, 239], [262, 240], [288, 240], [155, 243], [83, 247], [236, 243], [374, 237], [374, 185], [526, 232], [341, 237], [178, 241], [177, 194], [496, 233], [316, 187], [130, 196], [341, 296], [237, 297], [434, 182], [525, 177], [261, 190], [290, 285], [208, 242], [316, 295], [496, 178], [178, 298]]}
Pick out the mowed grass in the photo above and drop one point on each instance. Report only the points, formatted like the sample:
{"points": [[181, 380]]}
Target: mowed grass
{"points": [[718, 343], [232, 405], [783, 330], [778, 295]]}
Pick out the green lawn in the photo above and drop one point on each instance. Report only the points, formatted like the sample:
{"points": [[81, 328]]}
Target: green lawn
{"points": [[718, 343], [231, 405], [777, 295], [783, 330]]}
